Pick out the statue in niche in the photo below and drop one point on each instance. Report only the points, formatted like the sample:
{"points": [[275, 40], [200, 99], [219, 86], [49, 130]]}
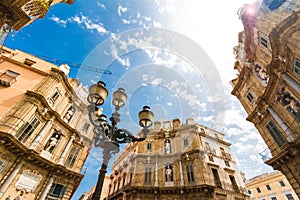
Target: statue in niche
{"points": [[169, 173], [261, 74], [167, 146], [291, 104], [69, 114], [52, 142]]}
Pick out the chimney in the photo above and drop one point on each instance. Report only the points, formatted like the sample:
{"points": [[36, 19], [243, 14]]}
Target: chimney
{"points": [[157, 126], [190, 121], [176, 124]]}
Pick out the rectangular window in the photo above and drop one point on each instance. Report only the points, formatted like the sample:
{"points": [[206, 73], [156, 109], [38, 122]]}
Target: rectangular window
{"points": [[268, 187], [57, 190], [190, 173], [185, 142], [27, 129], [216, 178], [264, 42], [226, 163], [297, 66], [289, 197], [233, 183], [258, 190], [275, 133], [86, 126], [148, 175], [211, 158], [7, 78], [250, 97], [149, 146], [72, 157], [282, 183], [273, 198], [3, 165]]}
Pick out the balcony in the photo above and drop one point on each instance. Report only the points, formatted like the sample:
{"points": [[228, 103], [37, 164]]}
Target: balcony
{"points": [[7, 79], [210, 150], [226, 156], [36, 8]]}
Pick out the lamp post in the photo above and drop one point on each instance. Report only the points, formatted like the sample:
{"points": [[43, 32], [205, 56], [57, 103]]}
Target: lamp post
{"points": [[108, 136]]}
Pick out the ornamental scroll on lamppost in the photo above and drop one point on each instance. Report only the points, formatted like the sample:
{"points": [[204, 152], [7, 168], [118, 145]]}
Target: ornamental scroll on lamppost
{"points": [[107, 135]]}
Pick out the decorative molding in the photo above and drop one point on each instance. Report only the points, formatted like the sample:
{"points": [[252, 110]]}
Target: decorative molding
{"points": [[28, 180]]}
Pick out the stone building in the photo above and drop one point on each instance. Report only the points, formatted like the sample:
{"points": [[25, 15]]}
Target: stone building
{"points": [[177, 161], [45, 134], [268, 65], [273, 186], [18, 13]]}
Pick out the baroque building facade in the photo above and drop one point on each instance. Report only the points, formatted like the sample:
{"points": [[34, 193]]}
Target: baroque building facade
{"points": [[273, 186], [177, 161], [268, 65], [18, 13], [45, 134]]}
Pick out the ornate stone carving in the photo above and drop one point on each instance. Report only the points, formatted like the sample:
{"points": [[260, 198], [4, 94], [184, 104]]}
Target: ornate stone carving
{"points": [[28, 180]]}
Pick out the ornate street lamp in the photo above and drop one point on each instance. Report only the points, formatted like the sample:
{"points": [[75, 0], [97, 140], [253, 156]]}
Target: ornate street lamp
{"points": [[108, 136]]}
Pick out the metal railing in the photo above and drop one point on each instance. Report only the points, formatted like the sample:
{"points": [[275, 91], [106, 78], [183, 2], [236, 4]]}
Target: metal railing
{"points": [[266, 155]]}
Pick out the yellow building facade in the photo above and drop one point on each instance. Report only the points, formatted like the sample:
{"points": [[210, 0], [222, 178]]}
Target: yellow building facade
{"points": [[177, 161], [268, 65], [18, 13], [273, 186], [45, 134]]}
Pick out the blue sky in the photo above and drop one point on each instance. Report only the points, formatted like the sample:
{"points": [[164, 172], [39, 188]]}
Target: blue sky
{"points": [[175, 56]]}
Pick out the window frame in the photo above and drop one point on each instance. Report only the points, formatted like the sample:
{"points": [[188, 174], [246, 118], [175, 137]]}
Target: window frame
{"points": [[30, 127], [275, 133], [147, 175], [70, 161], [8, 77], [296, 67], [190, 173]]}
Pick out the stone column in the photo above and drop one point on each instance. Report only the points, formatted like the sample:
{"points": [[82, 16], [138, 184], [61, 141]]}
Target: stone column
{"points": [[156, 175], [181, 174], [47, 188], [10, 178], [63, 155], [281, 123], [41, 134]]}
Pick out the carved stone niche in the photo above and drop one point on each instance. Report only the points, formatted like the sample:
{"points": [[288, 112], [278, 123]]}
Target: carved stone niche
{"points": [[28, 180]]}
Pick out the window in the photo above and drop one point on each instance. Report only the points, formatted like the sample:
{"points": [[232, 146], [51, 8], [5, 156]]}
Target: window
{"points": [[226, 163], [148, 175], [258, 190], [57, 190], [264, 41], [190, 173], [54, 98], [123, 182], [211, 158], [268, 187], [3, 165], [249, 192], [275, 133], [275, 4], [216, 178], [185, 142], [282, 183], [29, 62], [27, 129], [297, 66], [289, 196], [86, 126], [72, 157], [149, 146], [7, 78], [273, 198], [233, 183], [250, 97]]}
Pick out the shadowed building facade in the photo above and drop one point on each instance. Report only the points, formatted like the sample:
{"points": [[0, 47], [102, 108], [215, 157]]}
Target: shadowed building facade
{"points": [[45, 134], [268, 65], [177, 161]]}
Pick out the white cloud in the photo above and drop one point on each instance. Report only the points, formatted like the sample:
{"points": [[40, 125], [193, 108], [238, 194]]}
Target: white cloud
{"points": [[122, 10], [101, 5], [83, 21]]}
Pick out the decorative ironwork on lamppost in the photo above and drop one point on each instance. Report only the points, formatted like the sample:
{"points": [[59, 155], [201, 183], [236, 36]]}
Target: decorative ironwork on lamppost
{"points": [[107, 135]]}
